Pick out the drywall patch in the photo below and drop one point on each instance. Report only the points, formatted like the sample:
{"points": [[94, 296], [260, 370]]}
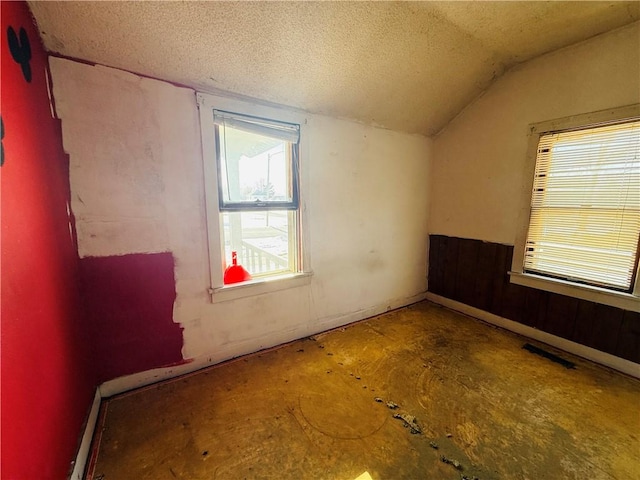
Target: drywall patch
{"points": [[129, 301]]}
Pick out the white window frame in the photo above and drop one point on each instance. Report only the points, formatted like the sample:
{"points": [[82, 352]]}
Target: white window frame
{"points": [[626, 301], [218, 290]]}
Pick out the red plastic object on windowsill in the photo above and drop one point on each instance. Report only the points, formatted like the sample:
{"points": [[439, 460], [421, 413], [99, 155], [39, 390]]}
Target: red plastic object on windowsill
{"points": [[235, 273]]}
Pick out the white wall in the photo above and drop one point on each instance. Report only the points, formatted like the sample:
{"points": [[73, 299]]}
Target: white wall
{"points": [[476, 176], [137, 186]]}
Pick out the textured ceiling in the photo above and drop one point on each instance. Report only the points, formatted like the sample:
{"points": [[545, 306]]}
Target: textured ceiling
{"points": [[408, 66]]}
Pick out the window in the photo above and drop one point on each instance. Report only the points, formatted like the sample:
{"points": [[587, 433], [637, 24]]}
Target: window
{"points": [[257, 161], [583, 215], [252, 188], [585, 206]]}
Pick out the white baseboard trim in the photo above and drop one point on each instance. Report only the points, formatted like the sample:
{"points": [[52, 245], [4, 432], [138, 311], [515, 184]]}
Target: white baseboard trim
{"points": [[84, 451], [606, 359], [228, 352]]}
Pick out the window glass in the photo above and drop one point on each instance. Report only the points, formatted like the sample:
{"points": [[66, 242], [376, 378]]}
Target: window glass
{"points": [[265, 241], [257, 162]]}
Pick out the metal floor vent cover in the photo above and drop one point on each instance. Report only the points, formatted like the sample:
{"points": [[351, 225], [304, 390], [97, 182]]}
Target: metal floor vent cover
{"points": [[550, 356]]}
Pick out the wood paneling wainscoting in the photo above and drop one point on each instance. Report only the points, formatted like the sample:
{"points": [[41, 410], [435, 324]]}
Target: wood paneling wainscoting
{"points": [[476, 273]]}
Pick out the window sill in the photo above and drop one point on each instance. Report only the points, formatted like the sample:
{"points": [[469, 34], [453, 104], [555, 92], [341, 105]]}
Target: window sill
{"points": [[259, 286], [625, 301]]}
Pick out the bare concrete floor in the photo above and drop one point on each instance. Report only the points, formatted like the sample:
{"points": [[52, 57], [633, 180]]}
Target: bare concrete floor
{"points": [[307, 410]]}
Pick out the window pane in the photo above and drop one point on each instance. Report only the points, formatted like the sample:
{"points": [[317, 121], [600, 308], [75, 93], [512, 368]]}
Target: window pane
{"points": [[265, 241], [254, 167]]}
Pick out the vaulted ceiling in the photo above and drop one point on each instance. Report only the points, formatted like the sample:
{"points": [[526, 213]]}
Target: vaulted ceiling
{"points": [[408, 66]]}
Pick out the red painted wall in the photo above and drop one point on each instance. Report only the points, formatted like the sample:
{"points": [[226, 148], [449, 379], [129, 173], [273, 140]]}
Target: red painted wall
{"points": [[47, 383], [129, 300]]}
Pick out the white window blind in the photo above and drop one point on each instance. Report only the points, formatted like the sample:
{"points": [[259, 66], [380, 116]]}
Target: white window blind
{"points": [[287, 132], [257, 162], [585, 207]]}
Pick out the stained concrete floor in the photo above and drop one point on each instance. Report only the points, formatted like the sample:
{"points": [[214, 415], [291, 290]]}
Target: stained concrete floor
{"points": [[307, 410]]}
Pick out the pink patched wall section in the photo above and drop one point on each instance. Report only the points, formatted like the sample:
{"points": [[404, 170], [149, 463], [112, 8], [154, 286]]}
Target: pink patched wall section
{"points": [[129, 299]]}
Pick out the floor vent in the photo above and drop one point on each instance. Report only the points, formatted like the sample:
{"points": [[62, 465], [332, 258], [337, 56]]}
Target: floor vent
{"points": [[550, 356]]}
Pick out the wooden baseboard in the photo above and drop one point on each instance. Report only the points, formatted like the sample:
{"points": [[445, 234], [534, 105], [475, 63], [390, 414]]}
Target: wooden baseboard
{"points": [[606, 359], [84, 451]]}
